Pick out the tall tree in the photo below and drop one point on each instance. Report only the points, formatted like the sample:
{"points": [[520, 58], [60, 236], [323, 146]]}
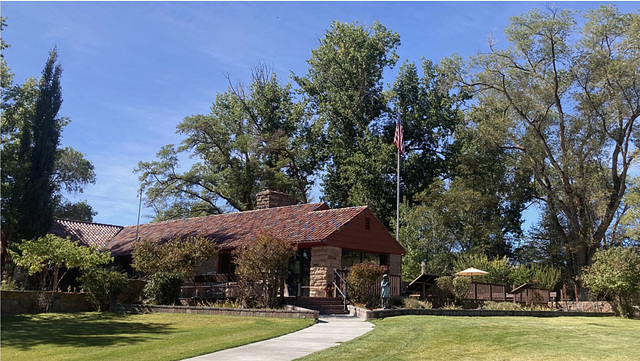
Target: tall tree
{"points": [[345, 90], [35, 172], [254, 138], [569, 106], [430, 115], [32, 193]]}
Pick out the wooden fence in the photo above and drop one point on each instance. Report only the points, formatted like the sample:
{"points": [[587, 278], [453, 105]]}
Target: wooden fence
{"points": [[395, 284]]}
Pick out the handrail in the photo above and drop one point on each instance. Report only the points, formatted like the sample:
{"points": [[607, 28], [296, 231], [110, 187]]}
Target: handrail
{"points": [[339, 289]]}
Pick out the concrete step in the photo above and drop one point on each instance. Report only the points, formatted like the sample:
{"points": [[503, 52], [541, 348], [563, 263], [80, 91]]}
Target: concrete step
{"points": [[325, 305]]}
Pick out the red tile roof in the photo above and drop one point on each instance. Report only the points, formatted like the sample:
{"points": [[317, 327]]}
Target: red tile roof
{"points": [[298, 224], [88, 233]]}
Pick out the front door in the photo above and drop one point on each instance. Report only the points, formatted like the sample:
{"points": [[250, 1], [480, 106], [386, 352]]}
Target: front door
{"points": [[299, 273]]}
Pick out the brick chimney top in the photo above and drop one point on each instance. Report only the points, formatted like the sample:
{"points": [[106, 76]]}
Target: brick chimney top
{"points": [[271, 199]]}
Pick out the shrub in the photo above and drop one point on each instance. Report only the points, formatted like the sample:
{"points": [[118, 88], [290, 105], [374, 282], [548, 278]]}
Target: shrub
{"points": [[413, 303], [501, 306], [176, 255], [615, 272], [262, 268], [103, 287], [163, 288], [461, 287], [456, 287], [363, 280], [8, 285], [534, 298], [396, 301], [546, 276]]}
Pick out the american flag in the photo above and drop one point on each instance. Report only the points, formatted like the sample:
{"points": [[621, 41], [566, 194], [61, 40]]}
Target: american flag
{"points": [[398, 140]]}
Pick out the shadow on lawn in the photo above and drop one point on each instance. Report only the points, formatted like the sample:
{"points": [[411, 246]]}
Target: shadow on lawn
{"points": [[76, 330]]}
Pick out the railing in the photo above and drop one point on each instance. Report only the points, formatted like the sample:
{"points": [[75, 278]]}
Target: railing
{"points": [[480, 291], [210, 286], [340, 285]]}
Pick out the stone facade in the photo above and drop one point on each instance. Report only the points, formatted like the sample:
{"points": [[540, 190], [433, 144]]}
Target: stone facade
{"points": [[272, 199], [323, 261], [395, 264]]}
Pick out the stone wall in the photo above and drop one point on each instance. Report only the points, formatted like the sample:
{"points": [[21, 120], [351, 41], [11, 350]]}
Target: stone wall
{"points": [[323, 261], [19, 302], [373, 314], [395, 264], [288, 312], [584, 306]]}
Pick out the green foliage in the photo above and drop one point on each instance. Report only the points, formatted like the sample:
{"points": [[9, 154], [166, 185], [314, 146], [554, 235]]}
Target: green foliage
{"points": [[425, 237], [79, 211], [522, 274], [498, 268], [255, 138], [627, 232], [262, 269], [163, 288], [461, 287], [8, 285], [363, 280], [52, 253], [176, 255], [103, 286], [615, 273], [501, 306], [546, 276], [417, 304], [35, 172], [562, 101], [344, 88], [30, 206]]}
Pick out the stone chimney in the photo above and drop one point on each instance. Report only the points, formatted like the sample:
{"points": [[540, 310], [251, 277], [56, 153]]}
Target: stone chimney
{"points": [[271, 199]]}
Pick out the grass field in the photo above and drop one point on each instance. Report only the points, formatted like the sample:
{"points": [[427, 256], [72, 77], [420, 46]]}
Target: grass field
{"points": [[107, 336], [493, 338]]}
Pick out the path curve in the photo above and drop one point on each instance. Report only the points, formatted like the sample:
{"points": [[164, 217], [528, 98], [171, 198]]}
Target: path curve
{"points": [[329, 331]]}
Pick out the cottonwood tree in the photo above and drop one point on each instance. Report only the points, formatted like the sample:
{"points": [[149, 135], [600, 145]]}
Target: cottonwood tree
{"points": [[430, 116], [254, 138], [567, 100], [345, 92]]}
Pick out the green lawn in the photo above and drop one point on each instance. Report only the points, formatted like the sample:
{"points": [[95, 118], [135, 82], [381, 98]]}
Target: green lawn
{"points": [[107, 336], [493, 338]]}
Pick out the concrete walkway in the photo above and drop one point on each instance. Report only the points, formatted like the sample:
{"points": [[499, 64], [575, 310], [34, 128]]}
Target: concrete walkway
{"points": [[328, 332]]}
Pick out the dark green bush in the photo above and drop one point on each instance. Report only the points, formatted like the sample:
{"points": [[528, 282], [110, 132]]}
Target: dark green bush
{"points": [[163, 288], [103, 287]]}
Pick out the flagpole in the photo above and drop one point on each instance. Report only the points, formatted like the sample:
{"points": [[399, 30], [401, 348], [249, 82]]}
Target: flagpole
{"points": [[398, 200]]}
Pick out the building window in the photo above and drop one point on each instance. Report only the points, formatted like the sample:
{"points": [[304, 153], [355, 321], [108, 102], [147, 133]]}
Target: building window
{"points": [[349, 258], [367, 223]]}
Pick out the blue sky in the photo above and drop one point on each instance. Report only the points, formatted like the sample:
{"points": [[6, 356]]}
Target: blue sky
{"points": [[134, 70]]}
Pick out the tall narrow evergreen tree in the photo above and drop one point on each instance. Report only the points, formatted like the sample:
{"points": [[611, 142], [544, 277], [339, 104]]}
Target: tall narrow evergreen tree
{"points": [[32, 193]]}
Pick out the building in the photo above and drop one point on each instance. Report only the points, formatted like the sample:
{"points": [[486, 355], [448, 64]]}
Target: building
{"points": [[327, 239]]}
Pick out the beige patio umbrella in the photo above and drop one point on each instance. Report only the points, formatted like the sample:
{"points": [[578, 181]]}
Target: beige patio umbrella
{"points": [[472, 272]]}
